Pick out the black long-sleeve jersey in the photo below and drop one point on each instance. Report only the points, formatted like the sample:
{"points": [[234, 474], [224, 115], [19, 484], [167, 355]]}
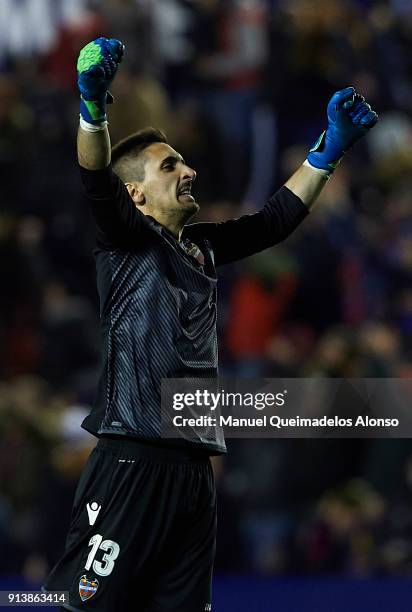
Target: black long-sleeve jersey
{"points": [[158, 301]]}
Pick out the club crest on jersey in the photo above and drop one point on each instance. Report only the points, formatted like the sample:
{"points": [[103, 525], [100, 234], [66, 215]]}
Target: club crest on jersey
{"points": [[87, 588]]}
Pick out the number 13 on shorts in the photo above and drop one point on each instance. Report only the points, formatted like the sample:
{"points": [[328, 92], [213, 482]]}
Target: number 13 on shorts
{"points": [[112, 550]]}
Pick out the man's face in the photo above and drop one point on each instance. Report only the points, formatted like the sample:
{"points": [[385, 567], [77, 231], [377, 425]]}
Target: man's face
{"points": [[167, 184]]}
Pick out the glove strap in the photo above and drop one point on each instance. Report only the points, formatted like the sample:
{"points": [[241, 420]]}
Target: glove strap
{"points": [[92, 127], [326, 174], [325, 154], [93, 111]]}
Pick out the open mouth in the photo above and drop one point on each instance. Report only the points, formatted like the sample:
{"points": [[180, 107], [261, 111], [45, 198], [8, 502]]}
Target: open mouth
{"points": [[184, 193]]}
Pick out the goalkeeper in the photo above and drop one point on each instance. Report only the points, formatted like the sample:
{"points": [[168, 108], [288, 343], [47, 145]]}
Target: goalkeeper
{"points": [[142, 535]]}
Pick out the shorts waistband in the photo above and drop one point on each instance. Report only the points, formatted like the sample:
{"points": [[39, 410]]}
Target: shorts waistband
{"points": [[147, 450]]}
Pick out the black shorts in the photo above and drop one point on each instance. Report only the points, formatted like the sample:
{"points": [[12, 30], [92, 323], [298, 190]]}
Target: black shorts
{"points": [[143, 530]]}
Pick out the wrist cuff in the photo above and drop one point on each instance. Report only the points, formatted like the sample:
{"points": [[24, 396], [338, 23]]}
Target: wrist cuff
{"points": [[325, 173], [92, 127]]}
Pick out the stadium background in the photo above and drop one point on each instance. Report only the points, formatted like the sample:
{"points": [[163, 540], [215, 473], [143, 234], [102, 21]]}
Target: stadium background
{"points": [[241, 88]]}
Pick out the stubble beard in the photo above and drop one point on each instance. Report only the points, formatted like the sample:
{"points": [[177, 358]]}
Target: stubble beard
{"points": [[183, 214]]}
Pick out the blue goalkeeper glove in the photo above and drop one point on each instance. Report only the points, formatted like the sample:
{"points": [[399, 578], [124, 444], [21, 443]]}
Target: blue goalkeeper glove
{"points": [[96, 68], [350, 118]]}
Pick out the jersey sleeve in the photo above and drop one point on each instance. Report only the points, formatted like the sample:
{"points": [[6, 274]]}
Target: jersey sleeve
{"points": [[117, 219], [238, 238]]}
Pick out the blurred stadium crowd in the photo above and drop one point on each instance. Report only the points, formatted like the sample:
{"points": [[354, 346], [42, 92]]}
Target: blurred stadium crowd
{"points": [[241, 88]]}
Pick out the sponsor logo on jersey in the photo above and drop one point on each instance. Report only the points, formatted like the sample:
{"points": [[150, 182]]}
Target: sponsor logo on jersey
{"points": [[93, 510], [87, 588]]}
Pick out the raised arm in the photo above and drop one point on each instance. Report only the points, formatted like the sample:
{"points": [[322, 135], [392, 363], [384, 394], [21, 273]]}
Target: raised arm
{"points": [[349, 118], [117, 219], [96, 68]]}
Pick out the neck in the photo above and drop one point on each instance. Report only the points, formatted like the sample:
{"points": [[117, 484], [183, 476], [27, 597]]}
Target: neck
{"points": [[171, 223], [174, 228]]}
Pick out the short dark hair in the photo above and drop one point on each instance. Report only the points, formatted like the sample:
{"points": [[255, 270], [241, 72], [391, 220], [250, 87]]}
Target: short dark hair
{"points": [[127, 161]]}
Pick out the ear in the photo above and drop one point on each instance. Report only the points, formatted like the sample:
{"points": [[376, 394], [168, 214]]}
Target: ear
{"points": [[136, 193]]}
